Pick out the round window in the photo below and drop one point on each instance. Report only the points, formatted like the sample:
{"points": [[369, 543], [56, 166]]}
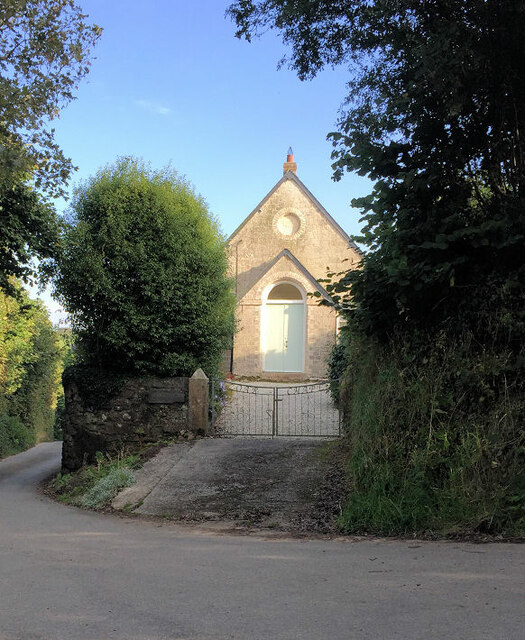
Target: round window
{"points": [[289, 224]]}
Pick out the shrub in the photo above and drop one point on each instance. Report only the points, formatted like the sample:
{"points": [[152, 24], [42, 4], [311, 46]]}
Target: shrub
{"points": [[30, 366], [68, 359], [35, 399], [14, 436], [337, 363], [143, 274], [60, 414], [93, 486]]}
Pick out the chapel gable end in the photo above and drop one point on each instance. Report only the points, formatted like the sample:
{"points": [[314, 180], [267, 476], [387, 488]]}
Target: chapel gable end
{"points": [[289, 217], [277, 256]]}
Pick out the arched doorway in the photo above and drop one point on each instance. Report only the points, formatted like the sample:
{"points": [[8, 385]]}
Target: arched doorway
{"points": [[284, 328]]}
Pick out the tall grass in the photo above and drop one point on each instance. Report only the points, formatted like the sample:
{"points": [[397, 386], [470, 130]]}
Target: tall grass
{"points": [[437, 440], [107, 487]]}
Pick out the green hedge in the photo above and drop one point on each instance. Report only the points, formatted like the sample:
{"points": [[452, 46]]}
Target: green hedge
{"points": [[143, 273], [14, 435], [31, 354]]}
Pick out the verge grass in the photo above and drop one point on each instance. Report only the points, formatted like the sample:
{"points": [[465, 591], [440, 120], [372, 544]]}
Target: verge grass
{"points": [[94, 486], [14, 436], [436, 443]]}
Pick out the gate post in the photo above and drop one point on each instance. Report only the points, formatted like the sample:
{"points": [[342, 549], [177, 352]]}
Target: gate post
{"points": [[198, 402], [212, 400], [275, 412]]}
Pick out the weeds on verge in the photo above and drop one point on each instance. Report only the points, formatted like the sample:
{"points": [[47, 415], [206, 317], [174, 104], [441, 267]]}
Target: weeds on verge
{"points": [[94, 486]]}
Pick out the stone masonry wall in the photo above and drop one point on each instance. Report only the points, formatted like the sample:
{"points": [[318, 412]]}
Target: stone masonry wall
{"points": [[143, 410], [317, 245], [320, 337]]}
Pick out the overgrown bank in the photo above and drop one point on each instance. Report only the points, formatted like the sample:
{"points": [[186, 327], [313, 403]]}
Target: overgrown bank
{"points": [[94, 486], [437, 441]]}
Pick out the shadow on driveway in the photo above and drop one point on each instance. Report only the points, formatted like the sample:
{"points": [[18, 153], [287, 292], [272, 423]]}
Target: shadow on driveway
{"points": [[283, 484]]}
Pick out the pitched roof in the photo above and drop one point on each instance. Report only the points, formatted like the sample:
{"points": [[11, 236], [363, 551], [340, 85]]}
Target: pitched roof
{"points": [[286, 253], [289, 175]]}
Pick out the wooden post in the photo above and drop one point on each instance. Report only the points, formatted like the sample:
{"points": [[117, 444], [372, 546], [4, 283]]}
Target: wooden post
{"points": [[198, 402]]}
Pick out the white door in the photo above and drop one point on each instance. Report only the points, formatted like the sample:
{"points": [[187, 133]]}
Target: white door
{"points": [[284, 339]]}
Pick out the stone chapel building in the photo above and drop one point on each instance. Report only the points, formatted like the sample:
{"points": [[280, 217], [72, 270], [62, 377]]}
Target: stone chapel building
{"points": [[276, 256]]}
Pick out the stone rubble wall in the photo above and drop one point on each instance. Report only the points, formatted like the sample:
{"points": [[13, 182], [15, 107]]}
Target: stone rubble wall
{"points": [[144, 410]]}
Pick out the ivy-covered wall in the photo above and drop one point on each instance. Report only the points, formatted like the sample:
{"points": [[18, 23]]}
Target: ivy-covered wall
{"points": [[110, 413]]}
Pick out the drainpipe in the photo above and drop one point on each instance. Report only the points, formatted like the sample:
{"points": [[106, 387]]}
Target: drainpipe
{"points": [[236, 295]]}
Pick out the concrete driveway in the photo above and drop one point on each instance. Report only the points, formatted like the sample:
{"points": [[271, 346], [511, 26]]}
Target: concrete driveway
{"points": [[282, 484], [66, 574]]}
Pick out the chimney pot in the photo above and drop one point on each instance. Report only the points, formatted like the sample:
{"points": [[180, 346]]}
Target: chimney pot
{"points": [[290, 164]]}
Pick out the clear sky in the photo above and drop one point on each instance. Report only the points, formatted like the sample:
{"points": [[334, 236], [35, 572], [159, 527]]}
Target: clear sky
{"points": [[170, 83]]}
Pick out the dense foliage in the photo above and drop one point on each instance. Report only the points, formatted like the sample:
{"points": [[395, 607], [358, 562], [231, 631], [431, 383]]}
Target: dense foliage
{"points": [[29, 228], [45, 48], [68, 360], [435, 116], [30, 367], [142, 272], [94, 486], [435, 437], [337, 364]]}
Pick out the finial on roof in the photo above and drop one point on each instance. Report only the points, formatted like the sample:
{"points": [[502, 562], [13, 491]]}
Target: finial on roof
{"points": [[290, 164]]}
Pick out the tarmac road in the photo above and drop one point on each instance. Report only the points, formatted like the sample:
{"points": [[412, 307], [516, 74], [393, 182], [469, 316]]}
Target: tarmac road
{"points": [[67, 574]]}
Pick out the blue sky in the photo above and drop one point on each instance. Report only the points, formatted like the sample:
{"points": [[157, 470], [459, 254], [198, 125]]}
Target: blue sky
{"points": [[171, 84]]}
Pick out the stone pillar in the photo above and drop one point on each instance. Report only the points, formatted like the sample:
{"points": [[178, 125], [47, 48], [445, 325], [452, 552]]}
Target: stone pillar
{"points": [[198, 402]]}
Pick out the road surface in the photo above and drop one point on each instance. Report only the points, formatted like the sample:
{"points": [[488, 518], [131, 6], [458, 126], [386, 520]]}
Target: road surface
{"points": [[67, 575]]}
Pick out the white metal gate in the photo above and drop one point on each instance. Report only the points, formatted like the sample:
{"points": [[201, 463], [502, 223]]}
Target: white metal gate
{"points": [[300, 410]]}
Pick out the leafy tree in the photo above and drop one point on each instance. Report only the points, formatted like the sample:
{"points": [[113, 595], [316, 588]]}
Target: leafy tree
{"points": [[16, 333], [143, 274], [45, 48], [28, 228], [30, 365], [433, 390]]}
